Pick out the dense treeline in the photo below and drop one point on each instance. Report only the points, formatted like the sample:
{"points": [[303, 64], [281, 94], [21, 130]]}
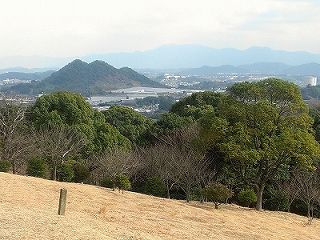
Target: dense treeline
{"points": [[255, 145]]}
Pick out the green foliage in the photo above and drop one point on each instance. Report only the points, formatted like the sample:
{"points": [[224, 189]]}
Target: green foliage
{"points": [[247, 197], [61, 108], [130, 123], [217, 193], [108, 182], [65, 172], [197, 105], [315, 114], [71, 109], [107, 138], [122, 182], [172, 121], [81, 172], [263, 128], [165, 102], [275, 199], [154, 186], [37, 167], [5, 166]]}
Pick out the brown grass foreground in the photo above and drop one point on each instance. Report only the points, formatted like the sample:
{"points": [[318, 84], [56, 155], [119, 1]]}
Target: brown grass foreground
{"points": [[28, 210]]}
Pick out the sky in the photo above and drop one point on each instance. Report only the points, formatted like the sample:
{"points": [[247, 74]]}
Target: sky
{"points": [[65, 28]]}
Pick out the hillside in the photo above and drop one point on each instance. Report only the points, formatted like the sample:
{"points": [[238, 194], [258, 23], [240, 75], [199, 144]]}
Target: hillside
{"points": [[28, 210], [25, 75], [88, 79], [257, 68]]}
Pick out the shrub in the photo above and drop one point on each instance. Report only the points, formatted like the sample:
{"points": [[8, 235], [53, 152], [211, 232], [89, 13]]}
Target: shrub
{"points": [[247, 197], [122, 182], [65, 172], [154, 186], [217, 193], [37, 167], [108, 182], [5, 166], [81, 172]]}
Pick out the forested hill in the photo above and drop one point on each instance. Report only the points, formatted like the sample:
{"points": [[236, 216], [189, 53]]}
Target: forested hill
{"points": [[25, 76], [87, 78]]}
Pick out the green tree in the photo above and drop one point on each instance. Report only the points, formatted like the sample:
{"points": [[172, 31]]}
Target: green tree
{"points": [[246, 197], [122, 182], [108, 182], [198, 104], [61, 108], [71, 109], [217, 193], [65, 171], [266, 130], [155, 186], [81, 172], [171, 121], [37, 167], [130, 123]]}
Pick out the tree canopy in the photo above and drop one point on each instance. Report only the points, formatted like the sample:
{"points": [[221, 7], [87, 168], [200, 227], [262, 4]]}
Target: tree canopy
{"points": [[130, 123], [197, 105], [260, 128], [71, 109]]}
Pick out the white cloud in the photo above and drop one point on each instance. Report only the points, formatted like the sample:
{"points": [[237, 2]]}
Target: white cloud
{"points": [[79, 27]]}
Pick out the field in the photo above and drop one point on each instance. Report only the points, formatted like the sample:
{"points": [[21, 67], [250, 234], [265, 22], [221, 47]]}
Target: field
{"points": [[28, 210]]}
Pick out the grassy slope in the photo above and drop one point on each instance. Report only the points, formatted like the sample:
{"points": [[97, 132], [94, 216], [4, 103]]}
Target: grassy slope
{"points": [[28, 210]]}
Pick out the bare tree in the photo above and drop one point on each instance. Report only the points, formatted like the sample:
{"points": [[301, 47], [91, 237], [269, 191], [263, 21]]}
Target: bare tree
{"points": [[188, 166], [15, 143], [160, 162], [11, 116], [309, 189], [17, 149], [55, 144], [290, 190], [177, 163], [115, 163]]}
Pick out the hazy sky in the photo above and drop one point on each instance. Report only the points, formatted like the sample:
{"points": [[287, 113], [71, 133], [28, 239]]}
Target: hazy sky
{"points": [[78, 27]]}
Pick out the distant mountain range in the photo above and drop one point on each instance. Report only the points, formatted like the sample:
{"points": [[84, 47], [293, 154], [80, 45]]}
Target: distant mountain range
{"points": [[93, 78], [257, 68], [191, 56], [176, 56]]}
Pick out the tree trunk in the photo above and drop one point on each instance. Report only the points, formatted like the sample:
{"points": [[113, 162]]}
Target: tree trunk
{"points": [[259, 198], [55, 173], [14, 168], [289, 205], [188, 197], [309, 213], [168, 190]]}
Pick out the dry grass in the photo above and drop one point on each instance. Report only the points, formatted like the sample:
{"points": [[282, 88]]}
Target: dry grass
{"points": [[28, 210]]}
